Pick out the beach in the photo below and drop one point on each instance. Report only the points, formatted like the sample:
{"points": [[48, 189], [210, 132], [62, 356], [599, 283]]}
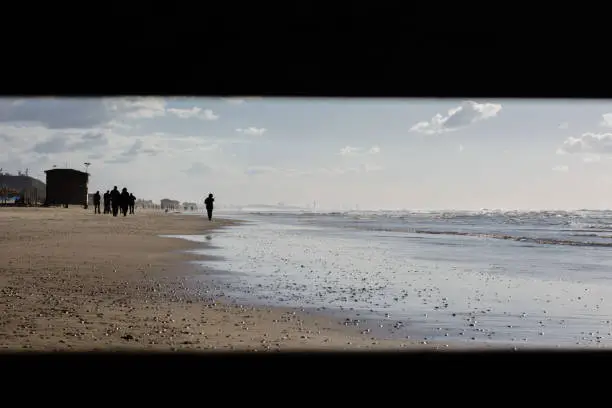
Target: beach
{"points": [[74, 280], [507, 278]]}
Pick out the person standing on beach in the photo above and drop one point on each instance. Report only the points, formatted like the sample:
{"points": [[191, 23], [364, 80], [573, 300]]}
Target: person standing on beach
{"points": [[209, 206], [96, 200], [124, 201], [114, 196], [132, 203], [106, 199]]}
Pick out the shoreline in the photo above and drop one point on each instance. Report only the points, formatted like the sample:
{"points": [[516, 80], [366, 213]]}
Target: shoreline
{"points": [[72, 280], [376, 328], [347, 321]]}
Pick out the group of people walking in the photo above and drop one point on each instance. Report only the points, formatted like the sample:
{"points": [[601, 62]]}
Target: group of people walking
{"points": [[115, 201], [124, 201]]}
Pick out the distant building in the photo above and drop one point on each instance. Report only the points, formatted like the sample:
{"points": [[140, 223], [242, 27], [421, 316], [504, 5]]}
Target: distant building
{"points": [[168, 204], [149, 204], [31, 196], [190, 206], [21, 188], [66, 187]]}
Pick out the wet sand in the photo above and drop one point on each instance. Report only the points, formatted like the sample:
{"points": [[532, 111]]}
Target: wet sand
{"points": [[72, 280]]}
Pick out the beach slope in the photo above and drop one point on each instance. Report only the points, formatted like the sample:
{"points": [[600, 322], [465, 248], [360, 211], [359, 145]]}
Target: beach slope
{"points": [[73, 280]]}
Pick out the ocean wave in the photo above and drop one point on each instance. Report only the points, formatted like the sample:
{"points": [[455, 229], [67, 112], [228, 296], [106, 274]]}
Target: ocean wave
{"points": [[449, 214], [577, 220], [572, 228], [531, 240], [502, 236], [593, 235]]}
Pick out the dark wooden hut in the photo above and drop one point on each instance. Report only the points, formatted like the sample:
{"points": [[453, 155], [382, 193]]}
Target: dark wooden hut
{"points": [[66, 187]]}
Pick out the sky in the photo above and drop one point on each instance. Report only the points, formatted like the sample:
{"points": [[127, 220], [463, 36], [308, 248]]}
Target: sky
{"points": [[340, 153]]}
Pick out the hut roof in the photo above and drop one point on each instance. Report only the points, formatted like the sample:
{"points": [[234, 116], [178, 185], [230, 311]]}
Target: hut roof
{"points": [[65, 171]]}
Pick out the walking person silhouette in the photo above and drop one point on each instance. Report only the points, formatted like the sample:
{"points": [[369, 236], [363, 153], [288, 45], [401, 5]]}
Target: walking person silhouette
{"points": [[132, 203], [115, 197], [124, 201], [209, 205], [107, 201], [96, 201]]}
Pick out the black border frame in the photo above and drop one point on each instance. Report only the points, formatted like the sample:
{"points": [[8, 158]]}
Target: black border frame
{"points": [[303, 52]]}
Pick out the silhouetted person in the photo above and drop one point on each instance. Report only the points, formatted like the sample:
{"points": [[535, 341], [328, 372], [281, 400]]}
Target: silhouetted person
{"points": [[106, 202], [132, 203], [124, 201], [96, 200], [114, 196], [209, 206]]}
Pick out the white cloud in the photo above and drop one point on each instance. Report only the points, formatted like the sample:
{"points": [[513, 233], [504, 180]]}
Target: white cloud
{"points": [[563, 125], [561, 169], [252, 131], [587, 143], [194, 112], [467, 113], [606, 120], [79, 113], [128, 154], [240, 100], [53, 114], [591, 158], [60, 143], [358, 151], [39, 146], [460, 148], [114, 124], [234, 101], [85, 113], [136, 107], [253, 170], [349, 150]]}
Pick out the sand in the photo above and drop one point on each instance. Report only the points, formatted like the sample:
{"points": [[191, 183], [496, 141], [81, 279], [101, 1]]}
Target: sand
{"points": [[73, 280]]}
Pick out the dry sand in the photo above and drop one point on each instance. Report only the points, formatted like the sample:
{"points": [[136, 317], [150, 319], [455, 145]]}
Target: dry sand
{"points": [[72, 280]]}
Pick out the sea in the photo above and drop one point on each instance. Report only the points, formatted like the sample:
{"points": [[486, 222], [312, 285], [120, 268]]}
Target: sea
{"points": [[515, 278]]}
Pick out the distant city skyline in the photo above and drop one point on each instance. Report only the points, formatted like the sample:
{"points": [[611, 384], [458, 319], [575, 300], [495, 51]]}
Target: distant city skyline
{"points": [[342, 153]]}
